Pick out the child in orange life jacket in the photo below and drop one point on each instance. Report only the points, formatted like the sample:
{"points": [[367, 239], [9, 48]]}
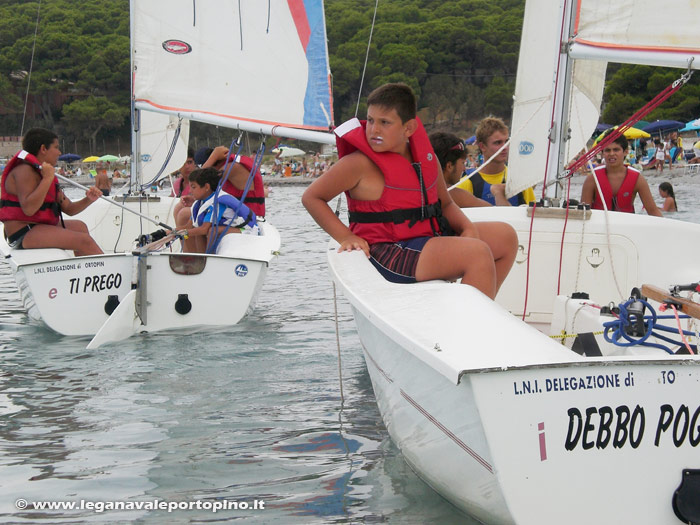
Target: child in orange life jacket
{"points": [[32, 202], [619, 183], [398, 203]]}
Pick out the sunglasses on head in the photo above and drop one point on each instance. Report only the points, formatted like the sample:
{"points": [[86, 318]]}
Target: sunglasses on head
{"points": [[459, 146]]}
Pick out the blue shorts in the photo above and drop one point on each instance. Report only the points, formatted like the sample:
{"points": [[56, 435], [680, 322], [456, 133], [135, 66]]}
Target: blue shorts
{"points": [[397, 261]]}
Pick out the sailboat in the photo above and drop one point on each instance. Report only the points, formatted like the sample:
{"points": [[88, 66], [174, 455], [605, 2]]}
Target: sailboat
{"points": [[560, 401], [190, 61]]}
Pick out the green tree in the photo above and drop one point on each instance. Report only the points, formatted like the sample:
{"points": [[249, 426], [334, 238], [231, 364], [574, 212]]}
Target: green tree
{"points": [[88, 116]]}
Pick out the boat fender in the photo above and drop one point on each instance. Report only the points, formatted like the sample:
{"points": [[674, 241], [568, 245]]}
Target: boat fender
{"points": [[183, 304], [111, 304], [686, 498]]}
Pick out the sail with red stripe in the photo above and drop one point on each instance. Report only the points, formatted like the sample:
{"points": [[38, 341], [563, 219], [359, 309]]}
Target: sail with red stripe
{"points": [[251, 64]]}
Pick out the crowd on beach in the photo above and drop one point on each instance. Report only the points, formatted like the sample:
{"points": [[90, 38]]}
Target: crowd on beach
{"points": [[303, 167], [409, 226]]}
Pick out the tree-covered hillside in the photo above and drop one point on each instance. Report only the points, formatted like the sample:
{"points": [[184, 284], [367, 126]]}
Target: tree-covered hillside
{"points": [[460, 56]]}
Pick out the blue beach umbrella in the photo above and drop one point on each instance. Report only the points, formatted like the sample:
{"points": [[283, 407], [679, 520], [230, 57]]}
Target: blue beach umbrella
{"points": [[693, 125], [69, 157], [661, 126], [601, 126]]}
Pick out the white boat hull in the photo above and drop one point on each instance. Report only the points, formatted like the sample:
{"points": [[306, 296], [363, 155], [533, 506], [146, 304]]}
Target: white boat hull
{"points": [[507, 423], [177, 291]]}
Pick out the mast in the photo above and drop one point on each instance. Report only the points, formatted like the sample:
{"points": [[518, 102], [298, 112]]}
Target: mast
{"points": [[560, 130], [135, 153]]}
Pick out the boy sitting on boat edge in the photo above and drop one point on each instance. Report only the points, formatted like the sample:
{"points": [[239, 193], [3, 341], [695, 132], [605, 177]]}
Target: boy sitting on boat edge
{"points": [[401, 215], [32, 201]]}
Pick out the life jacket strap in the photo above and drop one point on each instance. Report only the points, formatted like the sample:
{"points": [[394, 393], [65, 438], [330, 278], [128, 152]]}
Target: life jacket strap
{"points": [[412, 215]]}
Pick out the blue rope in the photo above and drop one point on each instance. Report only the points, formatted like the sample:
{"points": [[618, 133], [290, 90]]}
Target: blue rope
{"points": [[211, 241], [216, 237], [173, 145], [619, 335]]}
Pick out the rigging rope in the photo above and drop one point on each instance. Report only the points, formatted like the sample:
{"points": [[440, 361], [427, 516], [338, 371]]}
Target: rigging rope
{"points": [[646, 109], [169, 155], [31, 66], [364, 68], [337, 342]]}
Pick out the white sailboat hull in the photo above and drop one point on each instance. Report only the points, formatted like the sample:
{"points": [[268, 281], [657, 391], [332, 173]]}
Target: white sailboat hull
{"points": [[507, 423], [177, 291]]}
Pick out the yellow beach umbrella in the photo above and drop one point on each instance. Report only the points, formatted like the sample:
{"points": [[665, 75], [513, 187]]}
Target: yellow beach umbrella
{"points": [[630, 133], [91, 159]]}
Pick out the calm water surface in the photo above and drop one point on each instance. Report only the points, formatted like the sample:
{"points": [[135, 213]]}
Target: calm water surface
{"points": [[252, 413]]}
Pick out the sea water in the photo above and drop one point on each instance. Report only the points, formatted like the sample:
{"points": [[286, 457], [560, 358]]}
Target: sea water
{"points": [[247, 417], [250, 414]]}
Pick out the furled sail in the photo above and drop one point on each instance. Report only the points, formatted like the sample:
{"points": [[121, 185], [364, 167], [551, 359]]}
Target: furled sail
{"points": [[639, 32], [245, 64], [157, 133]]}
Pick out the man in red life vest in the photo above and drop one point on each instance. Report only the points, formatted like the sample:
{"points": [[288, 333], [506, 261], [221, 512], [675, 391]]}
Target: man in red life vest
{"points": [[31, 201], [619, 183], [401, 214]]}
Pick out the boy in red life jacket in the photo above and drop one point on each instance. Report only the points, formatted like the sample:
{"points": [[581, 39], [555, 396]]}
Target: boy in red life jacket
{"points": [[32, 201], [400, 211], [619, 183]]}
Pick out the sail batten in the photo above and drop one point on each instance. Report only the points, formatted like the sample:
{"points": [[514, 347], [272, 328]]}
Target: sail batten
{"points": [[266, 62]]}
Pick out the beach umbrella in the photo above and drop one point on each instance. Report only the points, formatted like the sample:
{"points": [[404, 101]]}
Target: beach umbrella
{"points": [[630, 133], [660, 126], [93, 158], [69, 157], [601, 126], [108, 158], [693, 125], [289, 152]]}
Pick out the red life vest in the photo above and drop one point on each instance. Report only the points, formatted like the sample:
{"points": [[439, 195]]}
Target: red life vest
{"points": [[409, 205], [10, 209], [255, 199], [180, 189], [624, 200]]}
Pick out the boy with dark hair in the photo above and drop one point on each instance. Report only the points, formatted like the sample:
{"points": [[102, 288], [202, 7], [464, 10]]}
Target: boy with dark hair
{"points": [[399, 208], [452, 154], [238, 169], [619, 183], [31, 201], [224, 210], [489, 183]]}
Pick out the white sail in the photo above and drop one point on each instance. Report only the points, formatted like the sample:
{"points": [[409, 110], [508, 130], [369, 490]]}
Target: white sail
{"points": [[552, 122], [534, 129], [157, 132], [258, 67], [532, 105], [639, 32]]}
